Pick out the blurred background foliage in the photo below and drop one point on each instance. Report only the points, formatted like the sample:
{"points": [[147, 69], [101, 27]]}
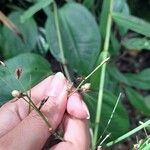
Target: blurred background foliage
{"points": [[46, 38]]}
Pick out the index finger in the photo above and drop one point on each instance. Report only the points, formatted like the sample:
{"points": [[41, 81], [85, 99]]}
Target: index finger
{"points": [[13, 113]]}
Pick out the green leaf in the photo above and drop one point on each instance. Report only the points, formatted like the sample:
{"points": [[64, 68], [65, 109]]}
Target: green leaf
{"points": [[95, 78], [140, 80], [35, 8], [88, 3], [137, 44], [32, 65], [119, 123], [115, 45], [123, 8], [120, 6], [138, 101], [133, 23], [13, 45], [80, 37], [117, 75]]}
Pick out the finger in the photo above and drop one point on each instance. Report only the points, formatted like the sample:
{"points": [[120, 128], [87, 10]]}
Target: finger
{"points": [[12, 113], [33, 131], [76, 135], [76, 107]]}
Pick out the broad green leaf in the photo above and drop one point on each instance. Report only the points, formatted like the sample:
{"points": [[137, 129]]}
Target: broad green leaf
{"points": [[117, 75], [95, 78], [137, 44], [32, 65], [119, 123], [133, 23], [13, 45], [80, 37], [140, 80], [121, 6], [138, 101], [88, 3], [35, 8], [115, 45]]}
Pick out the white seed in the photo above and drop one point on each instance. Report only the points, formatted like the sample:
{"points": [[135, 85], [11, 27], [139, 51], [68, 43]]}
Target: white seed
{"points": [[15, 93], [86, 87]]}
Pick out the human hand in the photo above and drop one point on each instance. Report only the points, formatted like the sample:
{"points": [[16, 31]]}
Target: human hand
{"points": [[21, 130]]}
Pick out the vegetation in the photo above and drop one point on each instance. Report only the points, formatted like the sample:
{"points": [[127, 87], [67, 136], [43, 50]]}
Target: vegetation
{"points": [[103, 42]]}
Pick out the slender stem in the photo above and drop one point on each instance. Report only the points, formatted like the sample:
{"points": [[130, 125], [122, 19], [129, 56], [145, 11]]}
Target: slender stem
{"points": [[107, 136], [60, 41], [41, 115], [28, 102], [129, 133], [102, 76], [39, 112], [111, 116], [88, 76], [144, 129]]}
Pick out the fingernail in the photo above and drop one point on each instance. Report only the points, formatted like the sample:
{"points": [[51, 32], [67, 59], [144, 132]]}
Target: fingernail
{"points": [[56, 85], [85, 108]]}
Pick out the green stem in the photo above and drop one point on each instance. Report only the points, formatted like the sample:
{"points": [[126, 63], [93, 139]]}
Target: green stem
{"points": [[88, 76], [60, 41], [129, 133], [109, 121], [102, 77], [31, 103], [38, 111]]}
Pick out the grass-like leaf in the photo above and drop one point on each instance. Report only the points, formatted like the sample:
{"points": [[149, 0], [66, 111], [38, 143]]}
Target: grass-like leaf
{"points": [[35, 8]]}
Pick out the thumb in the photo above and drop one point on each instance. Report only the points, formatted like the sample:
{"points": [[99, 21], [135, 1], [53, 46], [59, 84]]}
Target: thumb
{"points": [[33, 132]]}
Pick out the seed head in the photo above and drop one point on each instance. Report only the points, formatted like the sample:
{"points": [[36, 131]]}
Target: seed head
{"points": [[16, 93], [86, 87]]}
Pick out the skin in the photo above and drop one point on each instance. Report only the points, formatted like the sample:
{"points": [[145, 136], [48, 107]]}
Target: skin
{"points": [[22, 130]]}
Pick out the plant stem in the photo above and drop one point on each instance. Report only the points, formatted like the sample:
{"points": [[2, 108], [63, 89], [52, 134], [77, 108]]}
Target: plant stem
{"points": [[109, 121], [88, 76], [30, 102], [60, 41], [102, 77], [129, 133], [38, 111]]}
